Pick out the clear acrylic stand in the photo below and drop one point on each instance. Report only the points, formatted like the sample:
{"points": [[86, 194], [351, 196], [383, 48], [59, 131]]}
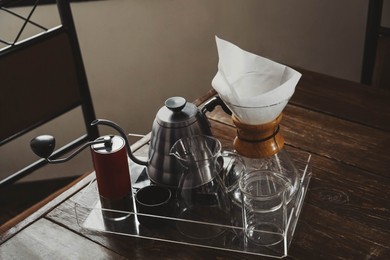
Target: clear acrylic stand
{"points": [[90, 215]]}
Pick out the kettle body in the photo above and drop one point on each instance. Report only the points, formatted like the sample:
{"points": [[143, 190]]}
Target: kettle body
{"points": [[177, 119]]}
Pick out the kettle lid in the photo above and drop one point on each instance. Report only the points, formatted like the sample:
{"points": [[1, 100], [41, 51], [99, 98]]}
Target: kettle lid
{"points": [[177, 112]]}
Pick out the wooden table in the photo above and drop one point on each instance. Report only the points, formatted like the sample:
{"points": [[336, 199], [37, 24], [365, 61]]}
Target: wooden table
{"points": [[346, 213]]}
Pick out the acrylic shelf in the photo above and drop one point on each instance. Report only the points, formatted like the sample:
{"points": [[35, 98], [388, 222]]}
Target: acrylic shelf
{"points": [[91, 216]]}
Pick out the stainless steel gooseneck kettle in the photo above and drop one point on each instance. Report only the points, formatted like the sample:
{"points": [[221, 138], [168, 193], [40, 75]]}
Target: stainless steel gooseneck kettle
{"points": [[177, 119]]}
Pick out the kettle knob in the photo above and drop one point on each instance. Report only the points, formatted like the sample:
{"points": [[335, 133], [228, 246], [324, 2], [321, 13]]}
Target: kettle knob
{"points": [[175, 104]]}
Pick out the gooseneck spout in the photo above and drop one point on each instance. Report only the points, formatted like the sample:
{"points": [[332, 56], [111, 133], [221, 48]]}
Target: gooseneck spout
{"points": [[122, 133]]}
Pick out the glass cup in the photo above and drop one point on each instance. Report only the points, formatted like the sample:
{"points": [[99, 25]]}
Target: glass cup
{"points": [[264, 206]]}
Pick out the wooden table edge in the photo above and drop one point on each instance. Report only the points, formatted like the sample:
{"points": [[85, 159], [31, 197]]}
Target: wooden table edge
{"points": [[14, 225]]}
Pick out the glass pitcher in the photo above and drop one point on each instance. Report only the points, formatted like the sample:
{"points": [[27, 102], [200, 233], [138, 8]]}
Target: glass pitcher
{"points": [[262, 145], [201, 196]]}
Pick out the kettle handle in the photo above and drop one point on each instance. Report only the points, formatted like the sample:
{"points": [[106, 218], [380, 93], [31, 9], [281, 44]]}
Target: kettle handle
{"points": [[212, 103], [122, 133]]}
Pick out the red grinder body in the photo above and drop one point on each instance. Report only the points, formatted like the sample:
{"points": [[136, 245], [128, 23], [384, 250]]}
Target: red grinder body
{"points": [[112, 169]]}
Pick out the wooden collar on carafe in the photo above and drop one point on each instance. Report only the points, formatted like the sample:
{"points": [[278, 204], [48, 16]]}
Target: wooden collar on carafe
{"points": [[258, 141]]}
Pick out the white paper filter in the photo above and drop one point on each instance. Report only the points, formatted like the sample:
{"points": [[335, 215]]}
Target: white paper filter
{"points": [[256, 89]]}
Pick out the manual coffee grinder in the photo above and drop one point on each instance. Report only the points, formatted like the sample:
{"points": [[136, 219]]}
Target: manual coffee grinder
{"points": [[109, 155]]}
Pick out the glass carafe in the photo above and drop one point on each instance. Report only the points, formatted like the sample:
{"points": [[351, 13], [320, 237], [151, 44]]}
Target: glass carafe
{"points": [[201, 196], [261, 145]]}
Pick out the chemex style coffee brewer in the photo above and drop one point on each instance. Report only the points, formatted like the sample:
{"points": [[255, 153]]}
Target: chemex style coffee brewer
{"points": [[257, 90]]}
